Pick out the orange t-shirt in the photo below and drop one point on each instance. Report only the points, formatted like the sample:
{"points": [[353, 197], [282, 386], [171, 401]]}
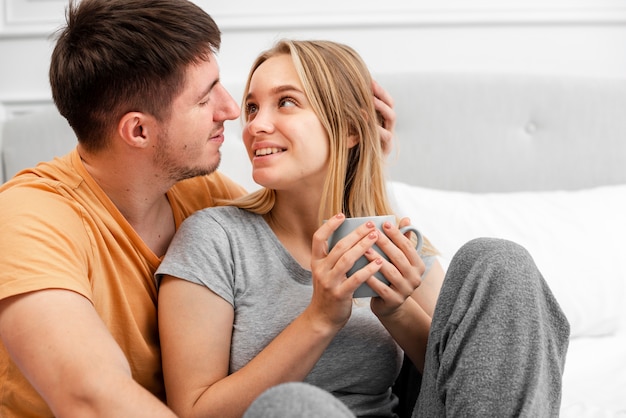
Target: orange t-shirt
{"points": [[60, 230]]}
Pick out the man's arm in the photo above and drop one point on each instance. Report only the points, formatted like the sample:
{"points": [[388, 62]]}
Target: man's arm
{"points": [[64, 349]]}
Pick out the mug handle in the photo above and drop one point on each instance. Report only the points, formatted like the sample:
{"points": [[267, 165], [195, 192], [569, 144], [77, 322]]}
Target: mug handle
{"points": [[418, 234]]}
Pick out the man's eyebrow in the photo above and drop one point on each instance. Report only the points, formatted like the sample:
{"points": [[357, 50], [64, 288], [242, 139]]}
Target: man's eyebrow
{"points": [[208, 89]]}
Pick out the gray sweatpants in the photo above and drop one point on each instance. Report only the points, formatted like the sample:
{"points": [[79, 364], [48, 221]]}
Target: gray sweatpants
{"points": [[496, 347]]}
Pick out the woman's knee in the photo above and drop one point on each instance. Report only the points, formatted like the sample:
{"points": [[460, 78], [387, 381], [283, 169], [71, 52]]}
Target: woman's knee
{"points": [[297, 399], [494, 249], [494, 257], [492, 270]]}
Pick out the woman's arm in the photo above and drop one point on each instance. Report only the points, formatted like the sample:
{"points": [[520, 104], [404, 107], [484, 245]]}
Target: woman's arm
{"points": [[195, 327], [409, 324], [405, 306], [427, 293]]}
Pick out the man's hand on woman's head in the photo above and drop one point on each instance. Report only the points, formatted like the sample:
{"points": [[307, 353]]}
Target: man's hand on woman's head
{"points": [[383, 103]]}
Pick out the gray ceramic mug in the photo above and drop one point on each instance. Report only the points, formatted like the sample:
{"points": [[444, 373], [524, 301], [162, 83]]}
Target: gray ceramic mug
{"points": [[351, 224]]}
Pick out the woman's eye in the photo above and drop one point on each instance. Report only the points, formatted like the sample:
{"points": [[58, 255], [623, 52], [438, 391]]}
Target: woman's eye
{"points": [[251, 108], [287, 102]]}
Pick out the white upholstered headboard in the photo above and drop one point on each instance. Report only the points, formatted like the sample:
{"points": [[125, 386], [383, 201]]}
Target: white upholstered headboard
{"points": [[493, 133], [472, 132]]}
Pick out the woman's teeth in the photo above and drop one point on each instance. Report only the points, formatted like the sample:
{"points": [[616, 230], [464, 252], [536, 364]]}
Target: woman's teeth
{"points": [[266, 151]]}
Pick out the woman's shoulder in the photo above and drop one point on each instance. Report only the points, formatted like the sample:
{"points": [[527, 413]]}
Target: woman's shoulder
{"points": [[226, 212], [225, 216]]}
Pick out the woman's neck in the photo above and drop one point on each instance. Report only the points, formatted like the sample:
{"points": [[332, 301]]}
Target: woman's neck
{"points": [[294, 221]]}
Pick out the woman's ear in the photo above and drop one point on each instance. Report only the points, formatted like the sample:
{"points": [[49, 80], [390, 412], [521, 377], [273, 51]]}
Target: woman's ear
{"points": [[136, 128], [352, 141]]}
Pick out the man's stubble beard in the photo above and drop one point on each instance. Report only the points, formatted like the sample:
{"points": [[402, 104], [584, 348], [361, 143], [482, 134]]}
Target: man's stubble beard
{"points": [[176, 172]]}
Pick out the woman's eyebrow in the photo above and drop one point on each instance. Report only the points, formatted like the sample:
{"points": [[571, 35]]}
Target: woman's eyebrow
{"points": [[279, 89], [287, 87]]}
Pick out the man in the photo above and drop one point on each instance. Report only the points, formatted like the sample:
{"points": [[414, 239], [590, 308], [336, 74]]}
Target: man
{"points": [[82, 235]]}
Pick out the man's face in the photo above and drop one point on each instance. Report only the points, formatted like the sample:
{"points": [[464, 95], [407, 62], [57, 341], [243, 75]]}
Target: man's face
{"points": [[190, 141]]}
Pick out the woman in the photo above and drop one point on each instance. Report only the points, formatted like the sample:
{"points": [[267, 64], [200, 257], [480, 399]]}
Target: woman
{"points": [[262, 300]]}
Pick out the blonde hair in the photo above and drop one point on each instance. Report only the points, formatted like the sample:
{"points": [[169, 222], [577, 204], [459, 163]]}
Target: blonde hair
{"points": [[338, 85]]}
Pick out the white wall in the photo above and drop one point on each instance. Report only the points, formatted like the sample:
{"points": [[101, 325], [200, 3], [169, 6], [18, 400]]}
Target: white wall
{"points": [[581, 37]]}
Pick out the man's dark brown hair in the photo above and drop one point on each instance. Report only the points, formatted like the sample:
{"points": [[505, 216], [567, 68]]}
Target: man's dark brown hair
{"points": [[116, 56]]}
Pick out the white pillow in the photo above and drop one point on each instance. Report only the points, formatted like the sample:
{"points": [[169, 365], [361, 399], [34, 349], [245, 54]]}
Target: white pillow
{"points": [[577, 239]]}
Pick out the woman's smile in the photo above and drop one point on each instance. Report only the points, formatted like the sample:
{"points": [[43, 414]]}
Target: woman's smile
{"points": [[267, 151]]}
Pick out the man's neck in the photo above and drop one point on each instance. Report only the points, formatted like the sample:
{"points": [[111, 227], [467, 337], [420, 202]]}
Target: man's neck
{"points": [[138, 195]]}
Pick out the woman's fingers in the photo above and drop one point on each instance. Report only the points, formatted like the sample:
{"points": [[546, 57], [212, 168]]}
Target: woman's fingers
{"points": [[330, 266], [405, 267], [332, 289]]}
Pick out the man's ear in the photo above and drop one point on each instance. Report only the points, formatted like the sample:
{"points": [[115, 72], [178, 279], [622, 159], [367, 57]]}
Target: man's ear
{"points": [[136, 129]]}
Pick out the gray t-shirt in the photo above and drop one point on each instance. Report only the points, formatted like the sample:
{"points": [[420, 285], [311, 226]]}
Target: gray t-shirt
{"points": [[236, 254]]}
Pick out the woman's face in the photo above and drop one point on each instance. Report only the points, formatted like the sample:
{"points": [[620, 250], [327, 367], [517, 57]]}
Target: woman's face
{"points": [[286, 142]]}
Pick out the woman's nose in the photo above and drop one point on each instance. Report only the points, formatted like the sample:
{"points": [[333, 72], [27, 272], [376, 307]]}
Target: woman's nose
{"points": [[260, 122]]}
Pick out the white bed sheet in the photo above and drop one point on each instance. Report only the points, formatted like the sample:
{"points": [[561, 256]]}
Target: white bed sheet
{"points": [[594, 381]]}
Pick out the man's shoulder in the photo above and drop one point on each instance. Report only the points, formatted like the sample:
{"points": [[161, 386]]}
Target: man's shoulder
{"points": [[40, 187], [53, 174]]}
